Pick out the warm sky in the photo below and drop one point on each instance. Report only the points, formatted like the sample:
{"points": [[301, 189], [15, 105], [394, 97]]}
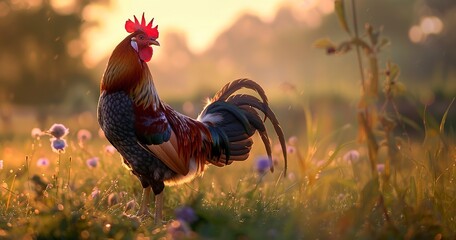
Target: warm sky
{"points": [[200, 20]]}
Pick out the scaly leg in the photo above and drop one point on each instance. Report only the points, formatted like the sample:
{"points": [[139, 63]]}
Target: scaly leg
{"points": [[159, 208], [145, 203]]}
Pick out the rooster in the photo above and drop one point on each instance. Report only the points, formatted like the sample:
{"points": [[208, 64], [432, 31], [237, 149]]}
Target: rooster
{"points": [[161, 146]]}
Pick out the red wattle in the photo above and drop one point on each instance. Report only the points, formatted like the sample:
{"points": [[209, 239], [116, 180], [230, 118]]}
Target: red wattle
{"points": [[145, 54]]}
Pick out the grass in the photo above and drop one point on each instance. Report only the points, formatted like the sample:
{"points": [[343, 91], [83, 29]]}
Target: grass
{"points": [[325, 195]]}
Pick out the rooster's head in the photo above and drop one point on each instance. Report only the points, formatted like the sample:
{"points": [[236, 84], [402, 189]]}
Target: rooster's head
{"points": [[143, 37]]}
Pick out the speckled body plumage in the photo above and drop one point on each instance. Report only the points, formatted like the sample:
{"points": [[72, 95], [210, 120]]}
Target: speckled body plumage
{"points": [[117, 120]]}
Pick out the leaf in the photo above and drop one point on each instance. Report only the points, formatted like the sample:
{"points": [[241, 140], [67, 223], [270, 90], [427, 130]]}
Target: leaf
{"points": [[384, 42], [324, 43], [339, 7], [413, 192], [344, 47], [399, 88], [394, 71], [372, 145], [333, 155]]}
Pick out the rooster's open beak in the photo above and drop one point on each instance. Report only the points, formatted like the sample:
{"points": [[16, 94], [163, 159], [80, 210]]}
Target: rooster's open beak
{"points": [[154, 42]]}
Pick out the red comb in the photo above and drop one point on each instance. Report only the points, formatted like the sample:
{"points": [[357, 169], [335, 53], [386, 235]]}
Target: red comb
{"points": [[131, 26]]}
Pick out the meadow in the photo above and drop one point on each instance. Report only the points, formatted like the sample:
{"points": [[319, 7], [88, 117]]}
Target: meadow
{"points": [[329, 191]]}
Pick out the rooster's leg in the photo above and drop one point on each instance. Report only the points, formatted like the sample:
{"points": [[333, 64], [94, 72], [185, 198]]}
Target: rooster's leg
{"points": [[145, 202], [158, 208]]}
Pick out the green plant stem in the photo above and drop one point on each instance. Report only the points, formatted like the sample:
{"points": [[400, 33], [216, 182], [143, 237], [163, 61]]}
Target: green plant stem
{"points": [[358, 53], [57, 178], [69, 174]]}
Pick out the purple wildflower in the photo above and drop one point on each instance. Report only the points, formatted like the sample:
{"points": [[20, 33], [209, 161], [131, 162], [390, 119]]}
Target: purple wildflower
{"points": [[92, 162], [84, 135], [291, 176], [293, 140], [291, 149], [262, 164], [380, 167], [179, 229], [58, 130], [42, 162], [110, 149], [186, 214], [36, 132], [95, 193], [58, 145], [351, 156]]}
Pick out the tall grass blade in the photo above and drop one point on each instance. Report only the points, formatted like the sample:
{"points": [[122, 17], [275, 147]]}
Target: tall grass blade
{"points": [[10, 193], [445, 115]]}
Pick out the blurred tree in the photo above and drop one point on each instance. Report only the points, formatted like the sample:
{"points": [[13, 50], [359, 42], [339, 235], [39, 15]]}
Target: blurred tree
{"points": [[40, 53]]}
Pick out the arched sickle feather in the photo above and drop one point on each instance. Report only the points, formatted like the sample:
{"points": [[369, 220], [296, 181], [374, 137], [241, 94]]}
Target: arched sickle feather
{"points": [[248, 100], [256, 121], [236, 85]]}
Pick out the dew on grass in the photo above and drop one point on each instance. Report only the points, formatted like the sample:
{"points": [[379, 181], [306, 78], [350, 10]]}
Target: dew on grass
{"points": [[107, 228]]}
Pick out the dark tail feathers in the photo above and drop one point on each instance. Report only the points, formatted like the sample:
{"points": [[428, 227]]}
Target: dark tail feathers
{"points": [[232, 119]]}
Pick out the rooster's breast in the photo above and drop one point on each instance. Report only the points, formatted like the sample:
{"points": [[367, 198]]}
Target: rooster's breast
{"points": [[117, 120]]}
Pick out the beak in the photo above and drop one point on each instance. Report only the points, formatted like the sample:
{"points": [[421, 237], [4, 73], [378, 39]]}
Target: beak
{"points": [[154, 42]]}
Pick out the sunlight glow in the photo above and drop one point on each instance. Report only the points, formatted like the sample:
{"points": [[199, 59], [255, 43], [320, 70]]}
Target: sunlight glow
{"points": [[64, 7], [200, 20], [311, 12], [4, 9]]}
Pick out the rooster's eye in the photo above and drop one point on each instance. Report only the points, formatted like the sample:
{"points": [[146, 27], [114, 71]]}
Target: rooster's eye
{"points": [[141, 37]]}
